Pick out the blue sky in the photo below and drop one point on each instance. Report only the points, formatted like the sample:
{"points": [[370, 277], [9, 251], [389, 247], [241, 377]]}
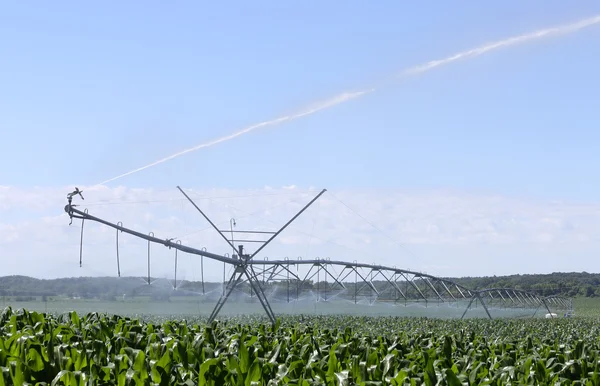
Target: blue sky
{"points": [[91, 91]]}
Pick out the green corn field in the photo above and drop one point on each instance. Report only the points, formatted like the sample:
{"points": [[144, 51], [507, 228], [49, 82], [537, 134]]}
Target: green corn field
{"points": [[98, 349]]}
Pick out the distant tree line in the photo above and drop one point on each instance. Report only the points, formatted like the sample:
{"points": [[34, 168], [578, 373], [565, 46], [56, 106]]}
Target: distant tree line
{"points": [[571, 284]]}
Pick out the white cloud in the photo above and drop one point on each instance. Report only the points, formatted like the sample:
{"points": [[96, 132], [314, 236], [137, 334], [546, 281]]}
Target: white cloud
{"points": [[440, 232]]}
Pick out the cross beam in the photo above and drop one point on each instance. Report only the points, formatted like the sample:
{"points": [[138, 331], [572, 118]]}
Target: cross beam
{"points": [[83, 215]]}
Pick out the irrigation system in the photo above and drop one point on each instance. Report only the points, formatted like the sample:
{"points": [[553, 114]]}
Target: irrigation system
{"points": [[328, 279]]}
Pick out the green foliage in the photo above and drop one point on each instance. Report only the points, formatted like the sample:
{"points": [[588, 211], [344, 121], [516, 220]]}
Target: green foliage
{"points": [[96, 349], [589, 307]]}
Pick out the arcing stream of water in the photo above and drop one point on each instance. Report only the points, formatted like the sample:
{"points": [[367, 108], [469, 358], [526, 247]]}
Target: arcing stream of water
{"points": [[345, 97]]}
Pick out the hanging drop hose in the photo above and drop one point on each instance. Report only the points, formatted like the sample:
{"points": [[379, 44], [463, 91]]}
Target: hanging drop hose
{"points": [[118, 262]]}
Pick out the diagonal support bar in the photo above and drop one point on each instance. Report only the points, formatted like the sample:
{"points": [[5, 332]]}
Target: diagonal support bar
{"points": [[288, 223], [206, 217]]}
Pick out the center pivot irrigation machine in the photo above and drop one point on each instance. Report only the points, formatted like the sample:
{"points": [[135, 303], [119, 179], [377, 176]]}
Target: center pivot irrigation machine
{"points": [[388, 285]]}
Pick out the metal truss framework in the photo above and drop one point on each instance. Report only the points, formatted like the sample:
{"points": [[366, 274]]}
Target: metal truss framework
{"points": [[333, 278]]}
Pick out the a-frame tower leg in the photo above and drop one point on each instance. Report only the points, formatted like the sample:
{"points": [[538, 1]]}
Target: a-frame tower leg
{"points": [[244, 269], [254, 284]]}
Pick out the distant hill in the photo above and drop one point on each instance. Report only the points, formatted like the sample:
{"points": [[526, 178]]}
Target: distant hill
{"points": [[572, 284]]}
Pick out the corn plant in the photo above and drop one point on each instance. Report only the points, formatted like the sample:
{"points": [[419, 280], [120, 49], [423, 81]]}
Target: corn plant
{"points": [[101, 349]]}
